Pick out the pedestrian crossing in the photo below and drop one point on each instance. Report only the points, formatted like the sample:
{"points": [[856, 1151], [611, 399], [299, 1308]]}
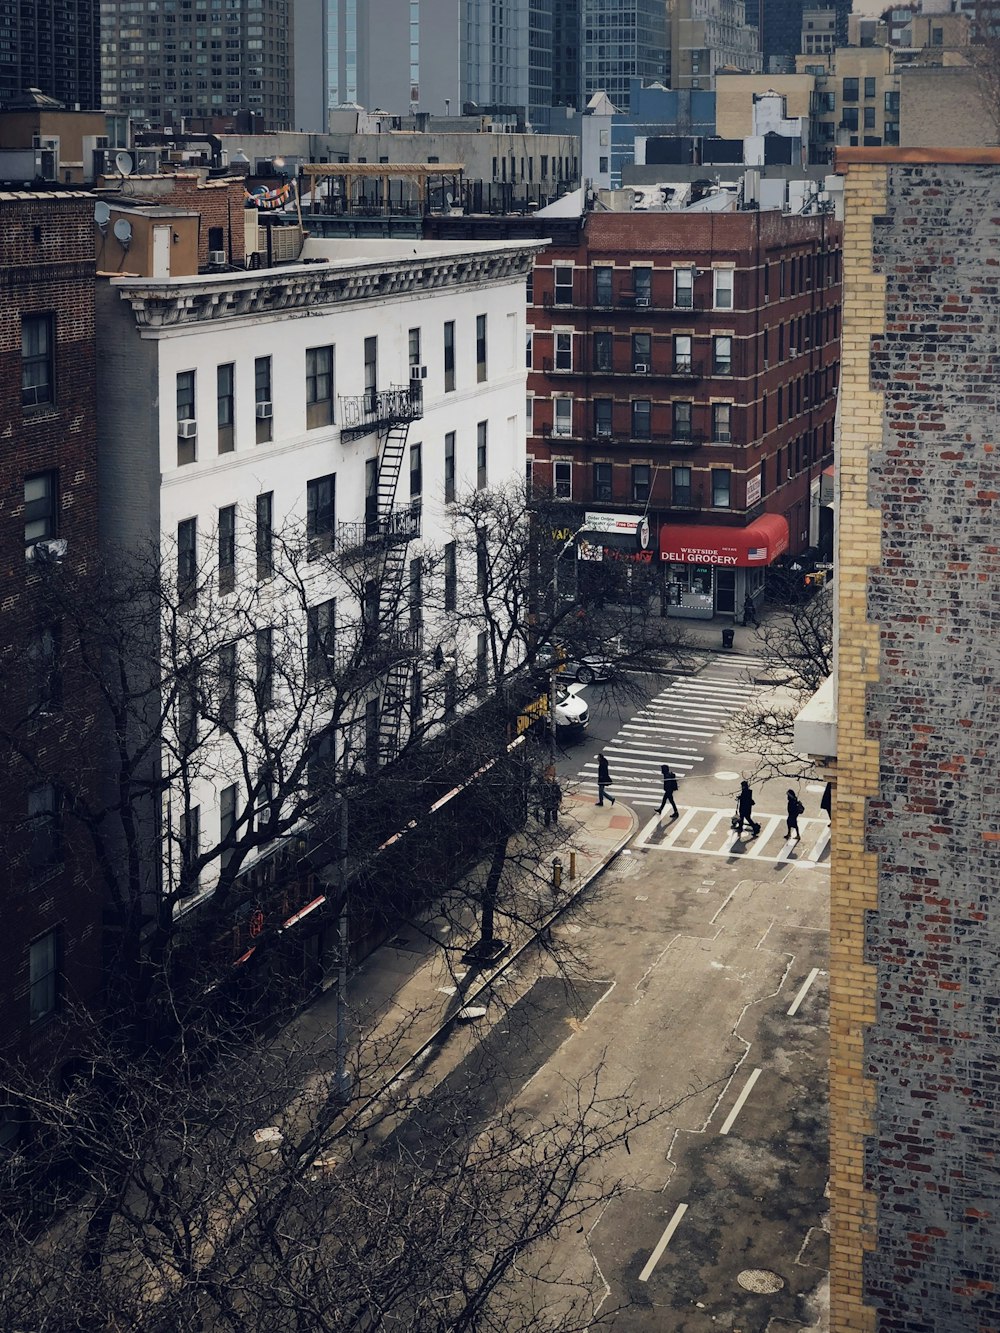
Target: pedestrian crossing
{"points": [[677, 727], [709, 832]]}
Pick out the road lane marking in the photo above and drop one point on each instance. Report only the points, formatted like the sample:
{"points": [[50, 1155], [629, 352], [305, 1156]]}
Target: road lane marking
{"points": [[803, 991], [663, 1242], [760, 842], [747, 1089]]}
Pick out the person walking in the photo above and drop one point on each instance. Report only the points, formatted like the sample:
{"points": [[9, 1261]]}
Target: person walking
{"points": [[795, 808], [551, 796], [749, 612], [603, 780], [669, 787], [826, 803], [744, 809]]}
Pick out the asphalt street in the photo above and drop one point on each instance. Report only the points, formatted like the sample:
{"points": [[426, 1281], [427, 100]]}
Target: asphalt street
{"points": [[713, 952]]}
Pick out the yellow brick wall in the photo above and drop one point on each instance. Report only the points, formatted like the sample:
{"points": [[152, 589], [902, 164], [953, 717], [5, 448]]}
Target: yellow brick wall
{"points": [[853, 884]]}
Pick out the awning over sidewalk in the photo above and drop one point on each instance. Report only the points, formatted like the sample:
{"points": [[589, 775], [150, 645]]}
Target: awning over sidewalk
{"points": [[757, 544]]}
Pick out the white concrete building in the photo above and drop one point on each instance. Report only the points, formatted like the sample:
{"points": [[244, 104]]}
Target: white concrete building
{"points": [[237, 403]]}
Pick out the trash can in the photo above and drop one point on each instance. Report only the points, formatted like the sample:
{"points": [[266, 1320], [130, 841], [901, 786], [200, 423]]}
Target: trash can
{"points": [[727, 637]]}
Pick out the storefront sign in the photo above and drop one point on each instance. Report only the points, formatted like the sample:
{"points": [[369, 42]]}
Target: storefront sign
{"points": [[695, 555], [753, 490], [622, 523]]}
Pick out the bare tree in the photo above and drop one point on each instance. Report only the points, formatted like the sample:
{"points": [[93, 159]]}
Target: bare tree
{"points": [[797, 652]]}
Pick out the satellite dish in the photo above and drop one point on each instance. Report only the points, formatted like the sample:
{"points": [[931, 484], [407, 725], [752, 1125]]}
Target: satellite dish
{"points": [[123, 232], [124, 163], [102, 215]]}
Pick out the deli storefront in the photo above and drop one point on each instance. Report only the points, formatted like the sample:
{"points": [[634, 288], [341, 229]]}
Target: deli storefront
{"points": [[710, 570]]}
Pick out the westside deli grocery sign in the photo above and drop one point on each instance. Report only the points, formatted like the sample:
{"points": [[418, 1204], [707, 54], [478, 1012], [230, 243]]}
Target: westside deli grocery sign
{"points": [[695, 555]]}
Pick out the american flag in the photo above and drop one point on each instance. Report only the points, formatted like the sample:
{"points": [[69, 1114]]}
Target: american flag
{"points": [[757, 553]]}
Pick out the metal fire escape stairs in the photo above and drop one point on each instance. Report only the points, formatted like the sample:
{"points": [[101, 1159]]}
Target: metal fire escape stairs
{"points": [[388, 414]]}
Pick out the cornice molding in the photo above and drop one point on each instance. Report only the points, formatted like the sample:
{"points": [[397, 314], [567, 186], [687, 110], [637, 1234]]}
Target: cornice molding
{"points": [[308, 288]]}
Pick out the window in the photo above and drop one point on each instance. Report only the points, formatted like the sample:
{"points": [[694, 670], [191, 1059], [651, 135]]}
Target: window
{"points": [[723, 278], [603, 352], [449, 467], [722, 355], [850, 117], [721, 422], [320, 628], [320, 510], [684, 288], [44, 827], [529, 286], [37, 360], [413, 350], [640, 419], [43, 977], [850, 91], [642, 283], [186, 436], [224, 397], [262, 397], [563, 284], [371, 735], [321, 764], [44, 670], [416, 470], [265, 535], [227, 823], [602, 481], [602, 286], [870, 84], [869, 117], [529, 339], [449, 356], [481, 455], [226, 669], [41, 507], [264, 798], [482, 661], [416, 592], [371, 374], [721, 481], [602, 416], [563, 345], [682, 353], [640, 482], [562, 423], [562, 478], [187, 560], [682, 421], [642, 353], [264, 676], [227, 548], [480, 348], [680, 480], [450, 577], [319, 387]]}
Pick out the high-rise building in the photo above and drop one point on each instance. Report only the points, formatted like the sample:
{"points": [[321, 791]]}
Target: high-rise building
{"points": [[780, 23], [619, 44], [708, 36], [167, 62], [54, 46]]}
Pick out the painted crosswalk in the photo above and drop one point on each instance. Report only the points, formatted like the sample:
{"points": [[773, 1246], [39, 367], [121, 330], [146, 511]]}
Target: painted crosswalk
{"points": [[677, 727], [709, 832]]}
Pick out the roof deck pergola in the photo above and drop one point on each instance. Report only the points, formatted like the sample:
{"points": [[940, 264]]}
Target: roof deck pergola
{"points": [[418, 174]]}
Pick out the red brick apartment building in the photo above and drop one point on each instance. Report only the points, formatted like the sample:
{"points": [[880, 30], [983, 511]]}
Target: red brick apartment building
{"points": [[50, 942], [683, 368]]}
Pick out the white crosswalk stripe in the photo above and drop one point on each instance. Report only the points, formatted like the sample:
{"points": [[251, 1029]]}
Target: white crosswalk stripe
{"points": [[709, 832], [677, 727]]}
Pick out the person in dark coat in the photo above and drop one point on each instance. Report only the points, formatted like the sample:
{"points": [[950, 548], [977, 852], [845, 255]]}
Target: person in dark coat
{"points": [[669, 787], [749, 611], [551, 796], [795, 808], [744, 808], [603, 780], [827, 802]]}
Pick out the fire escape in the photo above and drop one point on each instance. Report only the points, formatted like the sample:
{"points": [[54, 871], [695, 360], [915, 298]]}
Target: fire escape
{"points": [[382, 540]]}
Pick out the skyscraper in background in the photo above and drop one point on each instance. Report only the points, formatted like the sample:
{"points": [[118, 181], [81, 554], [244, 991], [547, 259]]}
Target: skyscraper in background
{"points": [[619, 43], [780, 25], [52, 45]]}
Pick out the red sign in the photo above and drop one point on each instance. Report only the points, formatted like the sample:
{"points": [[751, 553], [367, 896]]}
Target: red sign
{"points": [[256, 923]]}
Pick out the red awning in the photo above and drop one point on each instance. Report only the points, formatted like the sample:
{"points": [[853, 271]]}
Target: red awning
{"points": [[700, 544]]}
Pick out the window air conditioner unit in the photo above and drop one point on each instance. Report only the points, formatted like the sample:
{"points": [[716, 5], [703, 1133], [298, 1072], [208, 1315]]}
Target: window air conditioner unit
{"points": [[45, 552], [216, 256], [418, 372], [642, 301], [263, 410], [641, 368], [604, 430], [187, 430]]}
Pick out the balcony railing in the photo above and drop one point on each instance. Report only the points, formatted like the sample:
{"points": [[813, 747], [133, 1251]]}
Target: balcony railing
{"points": [[377, 648], [380, 409], [401, 525]]}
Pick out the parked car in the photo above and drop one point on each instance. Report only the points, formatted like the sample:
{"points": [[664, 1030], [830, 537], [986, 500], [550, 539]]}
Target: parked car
{"points": [[590, 669]]}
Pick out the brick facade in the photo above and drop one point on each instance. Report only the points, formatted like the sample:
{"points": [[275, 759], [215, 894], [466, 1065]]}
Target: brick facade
{"points": [[915, 931], [47, 269]]}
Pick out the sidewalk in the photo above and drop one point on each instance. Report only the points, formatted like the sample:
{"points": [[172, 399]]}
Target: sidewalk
{"points": [[405, 994]]}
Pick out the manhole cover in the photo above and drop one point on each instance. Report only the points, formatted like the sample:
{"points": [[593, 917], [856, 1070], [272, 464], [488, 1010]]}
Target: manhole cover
{"points": [[760, 1280]]}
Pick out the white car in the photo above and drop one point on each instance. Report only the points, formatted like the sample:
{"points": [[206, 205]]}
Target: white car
{"points": [[571, 713]]}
